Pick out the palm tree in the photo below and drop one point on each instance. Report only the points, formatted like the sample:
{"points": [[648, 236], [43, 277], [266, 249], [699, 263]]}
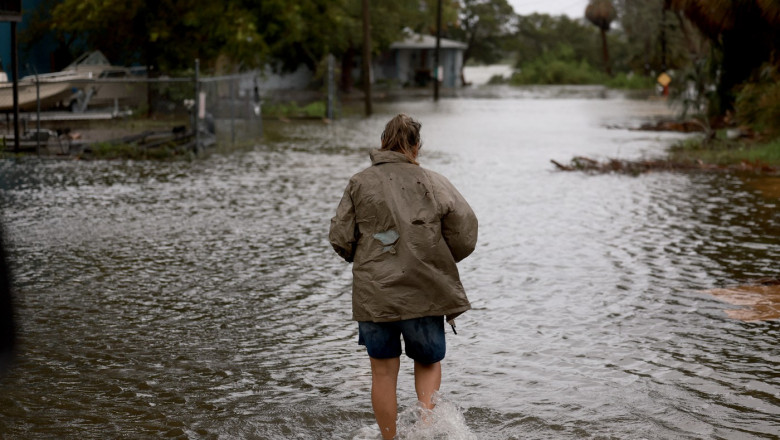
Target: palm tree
{"points": [[746, 32], [601, 13]]}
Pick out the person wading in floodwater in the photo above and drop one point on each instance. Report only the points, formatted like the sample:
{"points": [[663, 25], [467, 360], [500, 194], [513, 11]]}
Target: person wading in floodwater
{"points": [[404, 227]]}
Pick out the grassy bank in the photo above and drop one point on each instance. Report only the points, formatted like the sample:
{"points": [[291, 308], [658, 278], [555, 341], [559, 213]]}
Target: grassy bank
{"points": [[725, 152], [693, 155]]}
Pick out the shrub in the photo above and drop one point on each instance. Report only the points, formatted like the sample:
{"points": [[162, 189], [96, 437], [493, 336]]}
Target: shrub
{"points": [[758, 102], [557, 71], [630, 81], [497, 79]]}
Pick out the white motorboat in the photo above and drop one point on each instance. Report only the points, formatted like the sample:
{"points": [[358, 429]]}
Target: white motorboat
{"points": [[69, 87]]}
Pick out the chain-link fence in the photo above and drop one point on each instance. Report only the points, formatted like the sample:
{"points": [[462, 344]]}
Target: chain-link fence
{"points": [[76, 113], [232, 109]]}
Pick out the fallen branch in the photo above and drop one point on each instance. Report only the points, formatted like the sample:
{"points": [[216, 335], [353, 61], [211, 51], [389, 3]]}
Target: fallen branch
{"points": [[634, 167]]}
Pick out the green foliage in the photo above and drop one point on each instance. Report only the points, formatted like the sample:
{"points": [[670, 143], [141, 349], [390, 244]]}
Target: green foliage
{"points": [[559, 66], [485, 26], [107, 150], [170, 34], [695, 92], [636, 45], [305, 31], [557, 72], [498, 79], [655, 36], [630, 81], [112, 151], [316, 109], [758, 102], [541, 35], [745, 32], [572, 60]]}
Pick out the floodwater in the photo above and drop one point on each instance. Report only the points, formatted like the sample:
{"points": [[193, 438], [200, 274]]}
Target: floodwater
{"points": [[201, 299]]}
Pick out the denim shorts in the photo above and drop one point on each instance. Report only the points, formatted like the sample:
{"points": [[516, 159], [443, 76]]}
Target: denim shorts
{"points": [[423, 338]]}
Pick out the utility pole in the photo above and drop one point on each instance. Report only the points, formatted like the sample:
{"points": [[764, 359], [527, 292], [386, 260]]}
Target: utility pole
{"points": [[437, 54], [663, 35], [367, 57], [15, 91]]}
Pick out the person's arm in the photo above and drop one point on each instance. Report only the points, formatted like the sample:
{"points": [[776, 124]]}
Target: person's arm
{"points": [[459, 224], [343, 236]]}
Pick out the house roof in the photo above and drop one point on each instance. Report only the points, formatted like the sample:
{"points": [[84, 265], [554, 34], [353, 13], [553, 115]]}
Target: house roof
{"points": [[418, 41]]}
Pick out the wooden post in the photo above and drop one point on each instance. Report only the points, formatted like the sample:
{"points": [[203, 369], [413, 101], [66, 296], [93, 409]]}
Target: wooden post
{"points": [[367, 57]]}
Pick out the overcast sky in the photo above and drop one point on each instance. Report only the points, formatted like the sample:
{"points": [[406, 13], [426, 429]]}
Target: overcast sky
{"points": [[572, 8]]}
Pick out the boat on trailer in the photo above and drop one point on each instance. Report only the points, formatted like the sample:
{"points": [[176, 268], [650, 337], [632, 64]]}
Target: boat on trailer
{"points": [[75, 86]]}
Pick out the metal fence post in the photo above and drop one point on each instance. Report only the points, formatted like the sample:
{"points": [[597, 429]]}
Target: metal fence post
{"points": [[330, 87], [196, 107], [258, 104], [37, 112], [232, 112]]}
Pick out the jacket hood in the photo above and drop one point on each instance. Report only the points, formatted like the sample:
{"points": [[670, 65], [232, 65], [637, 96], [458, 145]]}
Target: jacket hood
{"points": [[387, 156]]}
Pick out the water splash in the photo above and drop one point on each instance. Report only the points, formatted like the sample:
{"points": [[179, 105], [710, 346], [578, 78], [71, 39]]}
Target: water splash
{"points": [[367, 433], [444, 422]]}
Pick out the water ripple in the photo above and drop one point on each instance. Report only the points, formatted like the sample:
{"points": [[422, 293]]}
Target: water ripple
{"points": [[202, 299]]}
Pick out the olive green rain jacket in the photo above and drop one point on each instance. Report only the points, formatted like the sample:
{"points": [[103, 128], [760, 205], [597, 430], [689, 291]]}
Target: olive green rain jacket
{"points": [[404, 227]]}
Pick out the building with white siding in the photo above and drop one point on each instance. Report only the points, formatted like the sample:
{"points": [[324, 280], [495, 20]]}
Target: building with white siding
{"points": [[410, 62]]}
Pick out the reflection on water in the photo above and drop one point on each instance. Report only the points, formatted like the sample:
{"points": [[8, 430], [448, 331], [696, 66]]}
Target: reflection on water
{"points": [[202, 300], [762, 302], [769, 186]]}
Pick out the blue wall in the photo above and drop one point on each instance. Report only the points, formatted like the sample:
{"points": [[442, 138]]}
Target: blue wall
{"points": [[39, 57]]}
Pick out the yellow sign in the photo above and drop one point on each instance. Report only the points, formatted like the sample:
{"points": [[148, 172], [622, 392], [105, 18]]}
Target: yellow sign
{"points": [[664, 79]]}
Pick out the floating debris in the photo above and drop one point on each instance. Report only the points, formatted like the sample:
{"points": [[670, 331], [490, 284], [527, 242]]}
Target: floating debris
{"points": [[634, 167], [760, 300], [689, 126]]}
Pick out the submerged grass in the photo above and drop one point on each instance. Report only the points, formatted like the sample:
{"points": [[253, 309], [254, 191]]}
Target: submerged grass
{"points": [[108, 151], [316, 109]]}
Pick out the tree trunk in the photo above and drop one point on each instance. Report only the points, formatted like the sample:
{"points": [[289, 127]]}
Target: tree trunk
{"points": [[605, 52], [367, 57], [152, 71]]}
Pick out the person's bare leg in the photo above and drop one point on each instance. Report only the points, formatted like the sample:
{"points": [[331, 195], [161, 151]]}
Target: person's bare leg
{"points": [[427, 379], [384, 380]]}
